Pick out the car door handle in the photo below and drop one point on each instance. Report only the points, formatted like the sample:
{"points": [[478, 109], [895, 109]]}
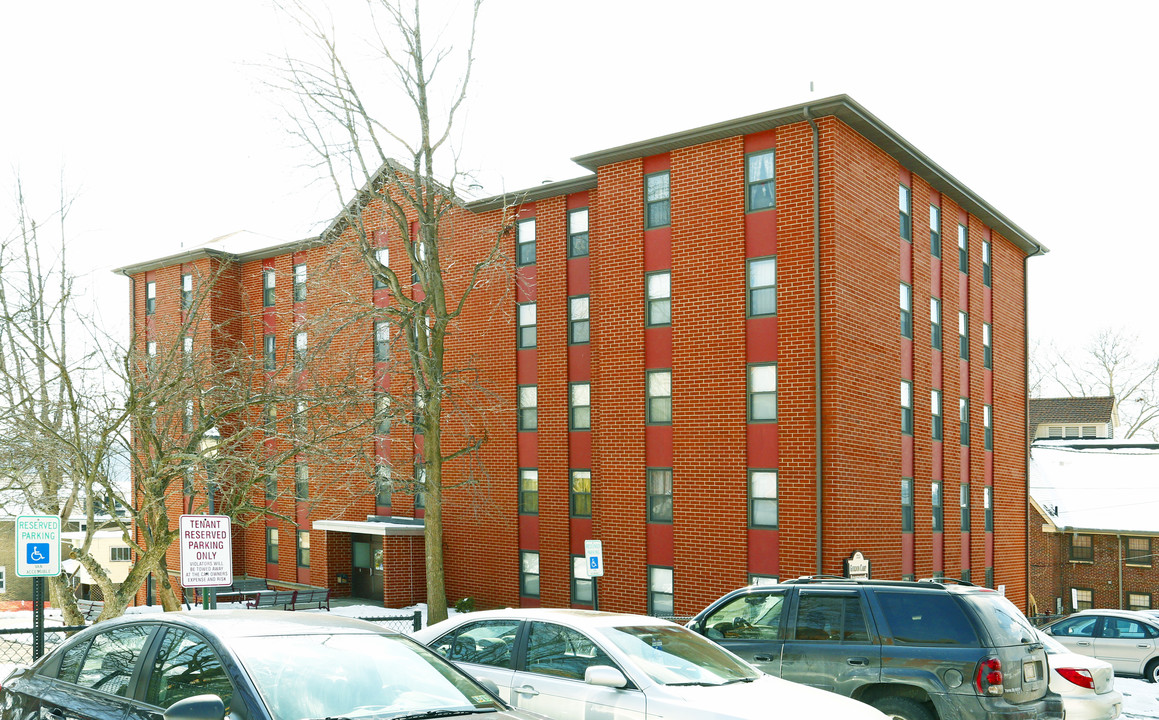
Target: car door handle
{"points": [[857, 661], [1145, 646], [763, 658], [1083, 643], [526, 690], [54, 713]]}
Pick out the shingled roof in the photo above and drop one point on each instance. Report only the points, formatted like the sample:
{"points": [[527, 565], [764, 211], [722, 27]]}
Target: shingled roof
{"points": [[1070, 411]]}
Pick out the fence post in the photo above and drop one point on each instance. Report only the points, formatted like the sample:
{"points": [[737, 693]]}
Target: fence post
{"points": [[418, 620], [37, 617]]}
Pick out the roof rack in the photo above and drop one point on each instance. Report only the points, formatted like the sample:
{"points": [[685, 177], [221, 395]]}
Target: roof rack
{"points": [[810, 579], [949, 580]]}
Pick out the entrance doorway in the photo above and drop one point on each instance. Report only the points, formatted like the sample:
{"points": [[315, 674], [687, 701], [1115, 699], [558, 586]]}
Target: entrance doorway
{"points": [[366, 564]]}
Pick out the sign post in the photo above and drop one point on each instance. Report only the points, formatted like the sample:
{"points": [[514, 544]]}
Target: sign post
{"points": [[37, 557], [206, 551], [594, 553]]}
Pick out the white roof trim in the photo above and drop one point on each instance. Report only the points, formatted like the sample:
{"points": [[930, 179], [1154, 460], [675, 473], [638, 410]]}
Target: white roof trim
{"points": [[368, 528]]}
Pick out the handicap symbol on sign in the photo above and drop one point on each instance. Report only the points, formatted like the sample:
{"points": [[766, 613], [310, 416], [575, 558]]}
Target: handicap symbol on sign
{"points": [[595, 562], [37, 553]]}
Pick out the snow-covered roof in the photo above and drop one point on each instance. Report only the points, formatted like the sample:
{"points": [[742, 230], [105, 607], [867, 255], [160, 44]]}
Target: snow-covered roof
{"points": [[1097, 485]]}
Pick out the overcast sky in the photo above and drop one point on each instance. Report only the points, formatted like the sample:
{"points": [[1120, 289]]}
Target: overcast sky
{"points": [[159, 117]]}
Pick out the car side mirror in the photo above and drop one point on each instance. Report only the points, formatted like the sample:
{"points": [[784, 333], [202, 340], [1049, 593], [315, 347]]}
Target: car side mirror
{"points": [[198, 707], [489, 685], [605, 676]]}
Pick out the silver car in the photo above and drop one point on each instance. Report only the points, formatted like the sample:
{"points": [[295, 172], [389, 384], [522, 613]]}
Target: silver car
{"points": [[1127, 639], [579, 664], [1086, 684]]}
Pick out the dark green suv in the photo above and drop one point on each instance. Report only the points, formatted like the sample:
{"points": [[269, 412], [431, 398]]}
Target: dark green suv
{"points": [[914, 650]]}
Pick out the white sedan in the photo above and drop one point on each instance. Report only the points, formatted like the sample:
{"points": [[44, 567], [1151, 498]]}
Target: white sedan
{"points": [[579, 664], [1086, 684]]}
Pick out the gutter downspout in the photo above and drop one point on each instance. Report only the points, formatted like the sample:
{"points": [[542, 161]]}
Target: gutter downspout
{"points": [[817, 415], [1119, 540], [1026, 415]]}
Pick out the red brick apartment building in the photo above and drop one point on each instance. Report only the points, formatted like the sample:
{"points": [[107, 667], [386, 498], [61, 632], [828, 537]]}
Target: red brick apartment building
{"points": [[740, 352]]}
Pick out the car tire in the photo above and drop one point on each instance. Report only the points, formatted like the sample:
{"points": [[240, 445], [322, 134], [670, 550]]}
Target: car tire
{"points": [[903, 708], [1152, 671]]}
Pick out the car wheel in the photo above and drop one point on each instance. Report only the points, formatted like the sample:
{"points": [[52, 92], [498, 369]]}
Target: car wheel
{"points": [[902, 708], [1152, 671]]}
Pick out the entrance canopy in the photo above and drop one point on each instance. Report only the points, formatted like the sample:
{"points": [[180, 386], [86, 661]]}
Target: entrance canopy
{"points": [[373, 525]]}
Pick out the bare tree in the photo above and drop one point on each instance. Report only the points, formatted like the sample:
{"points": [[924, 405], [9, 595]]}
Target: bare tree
{"points": [[1109, 364], [403, 175]]}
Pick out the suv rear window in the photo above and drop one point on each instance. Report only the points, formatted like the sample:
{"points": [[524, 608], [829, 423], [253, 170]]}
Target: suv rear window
{"points": [[926, 619], [1005, 623]]}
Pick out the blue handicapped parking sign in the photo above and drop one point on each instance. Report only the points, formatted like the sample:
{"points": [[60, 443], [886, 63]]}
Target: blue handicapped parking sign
{"points": [[595, 562], [37, 553]]}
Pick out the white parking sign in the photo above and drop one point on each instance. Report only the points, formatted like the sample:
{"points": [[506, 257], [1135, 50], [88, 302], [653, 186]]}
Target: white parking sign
{"points": [[594, 550], [37, 546], [206, 551]]}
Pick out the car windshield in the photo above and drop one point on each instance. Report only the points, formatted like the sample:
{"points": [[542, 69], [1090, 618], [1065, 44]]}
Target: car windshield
{"points": [[1005, 622], [354, 676], [673, 655]]}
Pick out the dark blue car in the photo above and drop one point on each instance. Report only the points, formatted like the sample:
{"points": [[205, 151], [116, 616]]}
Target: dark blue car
{"points": [[244, 665]]}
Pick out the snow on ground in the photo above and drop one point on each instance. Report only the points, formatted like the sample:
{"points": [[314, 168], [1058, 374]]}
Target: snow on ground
{"points": [[1140, 698]]}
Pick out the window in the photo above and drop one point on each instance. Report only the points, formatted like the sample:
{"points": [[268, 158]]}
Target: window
{"points": [[187, 352], [904, 212], [108, 664], [119, 554], [581, 493], [1138, 601], [299, 350], [762, 393], [987, 346], [150, 297], [831, 618], [383, 484], [762, 276], [1139, 551], [936, 619], [420, 483], [271, 352], [987, 427], [561, 652], [657, 196], [186, 666], [936, 414], [486, 642], [298, 418], [382, 414], [186, 291], [907, 311], [758, 579], [382, 255], [187, 416], [964, 420], [936, 505], [528, 573], [1082, 548], [963, 257], [3, 579], [935, 231], [271, 483], [528, 410], [580, 406], [763, 499], [303, 548], [1084, 599], [420, 254], [526, 319], [936, 323], [579, 322], [907, 505], [659, 292], [151, 355], [988, 508], [755, 615], [577, 233], [381, 341], [963, 335], [300, 282], [964, 505], [986, 271], [659, 386], [529, 491], [907, 407], [270, 419], [525, 242], [659, 495], [302, 481], [272, 545], [760, 179], [660, 596], [581, 584], [269, 280]]}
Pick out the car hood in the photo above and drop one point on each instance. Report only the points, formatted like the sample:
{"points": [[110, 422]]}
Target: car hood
{"points": [[1101, 671], [755, 700]]}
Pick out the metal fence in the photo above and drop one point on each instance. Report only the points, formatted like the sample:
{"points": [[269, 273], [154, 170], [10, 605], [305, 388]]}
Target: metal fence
{"points": [[16, 644], [399, 623]]}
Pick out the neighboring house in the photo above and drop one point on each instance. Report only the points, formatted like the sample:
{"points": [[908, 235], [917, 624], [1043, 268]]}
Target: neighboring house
{"points": [[722, 375], [1073, 417], [110, 550], [1094, 528]]}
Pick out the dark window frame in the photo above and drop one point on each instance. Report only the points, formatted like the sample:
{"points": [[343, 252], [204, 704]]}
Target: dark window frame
{"points": [[665, 202], [528, 499], [150, 297], [574, 237], [907, 505], [579, 501], [988, 508], [987, 271], [382, 256], [577, 582], [937, 507], [907, 411], [964, 506], [774, 500], [574, 324], [526, 336], [574, 410], [523, 413], [936, 413], [963, 249], [524, 574], [987, 346], [935, 231], [653, 403], [987, 427], [1084, 604], [653, 595], [302, 551], [751, 394], [906, 306], [269, 287], [271, 545], [657, 303], [936, 323], [964, 421], [301, 481], [663, 498], [905, 212], [186, 291], [299, 282], [755, 184], [524, 249], [752, 290], [383, 483], [963, 335], [1133, 558], [270, 352]]}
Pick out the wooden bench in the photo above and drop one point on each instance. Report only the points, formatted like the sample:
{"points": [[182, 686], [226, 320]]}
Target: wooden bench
{"points": [[319, 597], [90, 609], [270, 598]]}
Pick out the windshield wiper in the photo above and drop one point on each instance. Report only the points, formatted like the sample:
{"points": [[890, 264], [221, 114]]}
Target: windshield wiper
{"points": [[443, 713], [695, 683], [739, 679]]}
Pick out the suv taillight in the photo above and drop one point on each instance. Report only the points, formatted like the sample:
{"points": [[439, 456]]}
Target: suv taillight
{"points": [[988, 679]]}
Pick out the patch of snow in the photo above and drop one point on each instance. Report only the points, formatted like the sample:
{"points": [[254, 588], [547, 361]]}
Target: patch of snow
{"points": [[1140, 698]]}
